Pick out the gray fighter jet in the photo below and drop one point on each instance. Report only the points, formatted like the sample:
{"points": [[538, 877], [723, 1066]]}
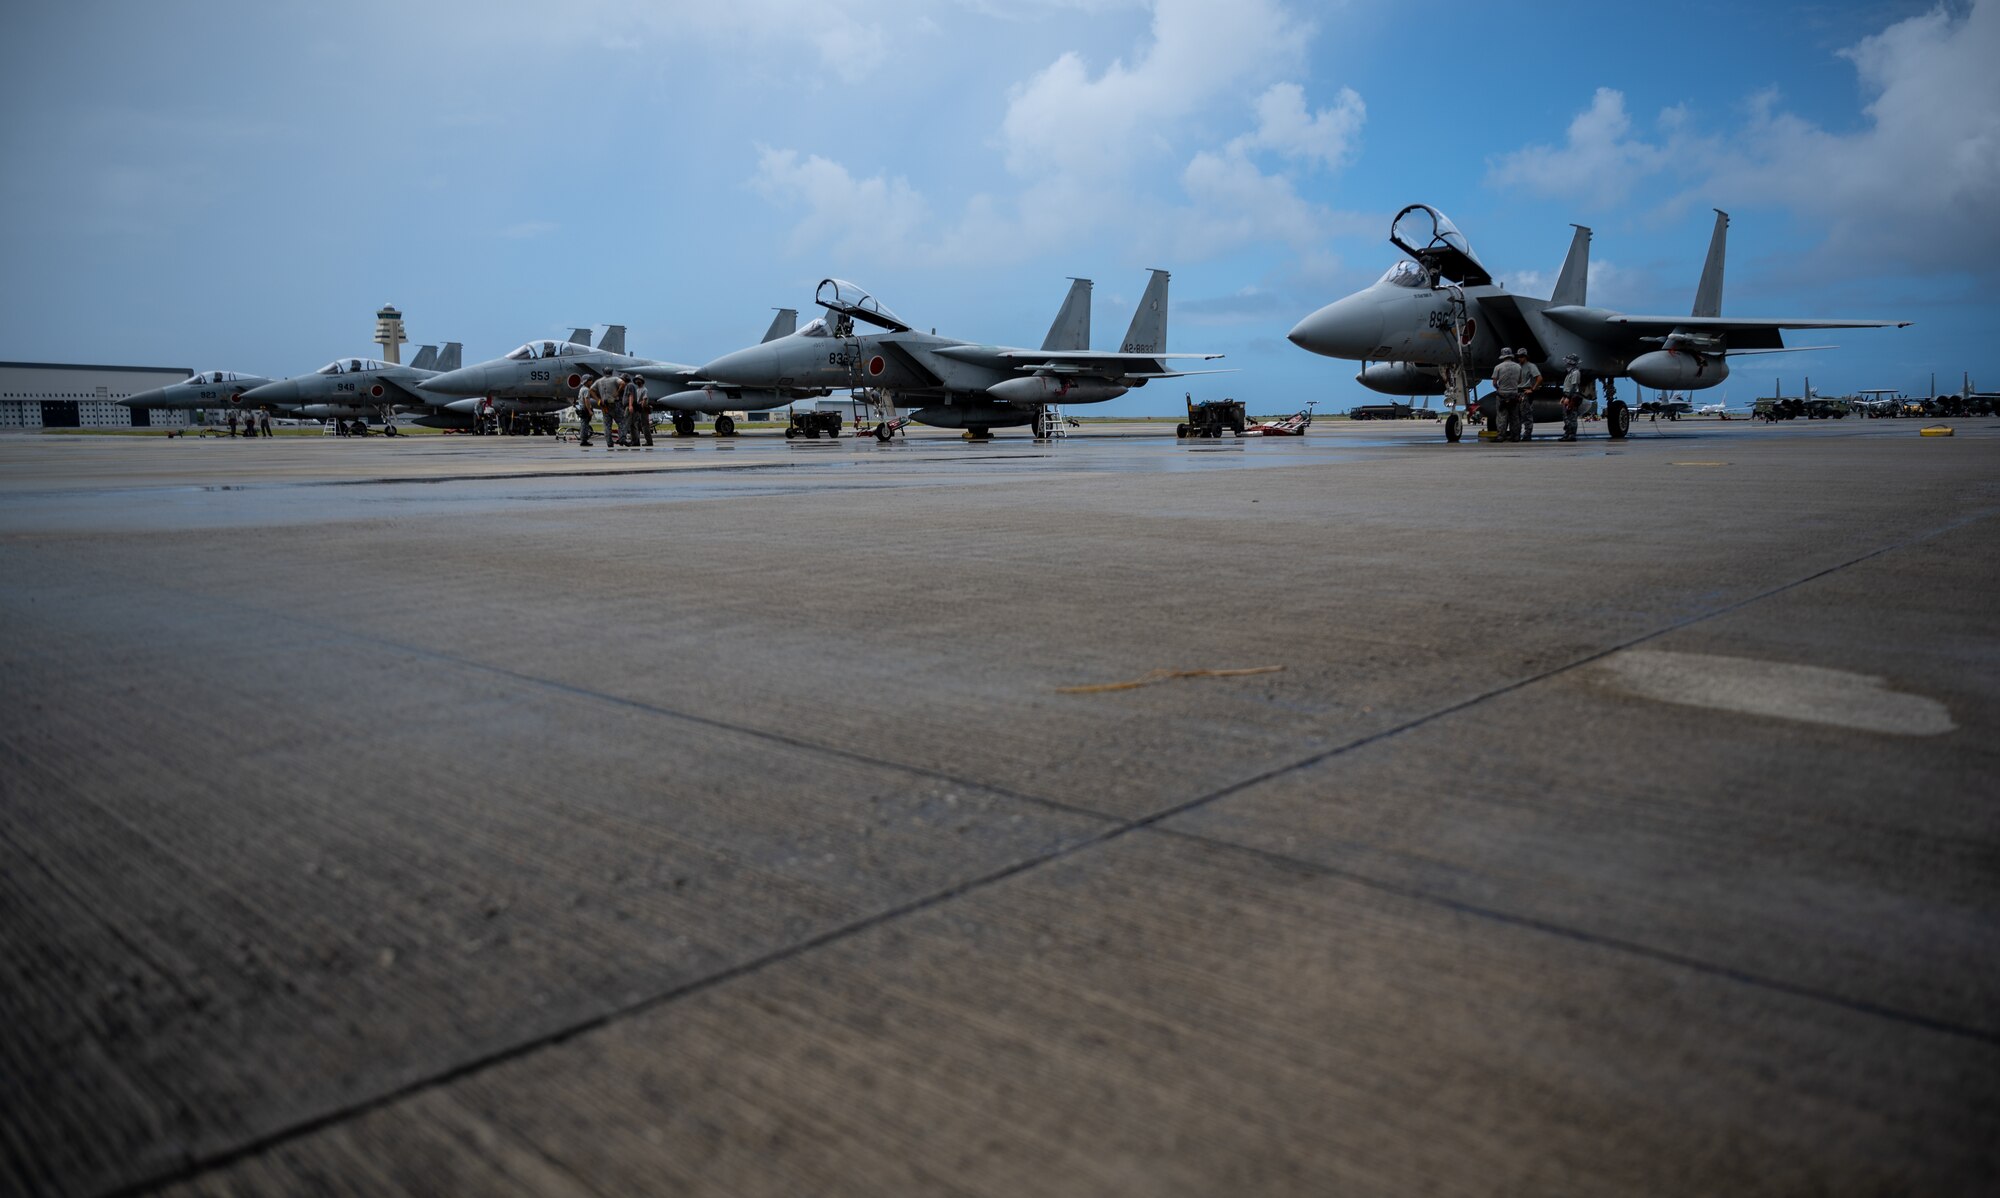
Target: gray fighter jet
{"points": [[218, 389], [959, 384], [1435, 325], [543, 377], [358, 390]]}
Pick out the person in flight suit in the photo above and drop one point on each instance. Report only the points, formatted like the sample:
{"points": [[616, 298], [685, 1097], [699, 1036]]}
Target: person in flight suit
{"points": [[584, 415], [1572, 396], [642, 410], [1531, 379], [611, 402], [1507, 385]]}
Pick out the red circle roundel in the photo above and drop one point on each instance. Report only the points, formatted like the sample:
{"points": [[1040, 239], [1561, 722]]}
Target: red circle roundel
{"points": [[376, 391], [875, 364], [575, 381]]}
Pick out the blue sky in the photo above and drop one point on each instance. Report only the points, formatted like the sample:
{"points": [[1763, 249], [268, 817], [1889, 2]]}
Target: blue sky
{"points": [[238, 186]]}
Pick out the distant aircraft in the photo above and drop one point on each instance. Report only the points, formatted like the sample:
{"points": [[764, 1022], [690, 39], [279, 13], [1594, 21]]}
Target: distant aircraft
{"points": [[1441, 314], [543, 377], [953, 383], [209, 389], [360, 389]]}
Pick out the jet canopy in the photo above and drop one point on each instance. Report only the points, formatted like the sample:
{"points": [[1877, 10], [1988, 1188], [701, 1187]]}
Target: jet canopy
{"points": [[845, 299], [534, 351], [1428, 235], [209, 377], [352, 366]]}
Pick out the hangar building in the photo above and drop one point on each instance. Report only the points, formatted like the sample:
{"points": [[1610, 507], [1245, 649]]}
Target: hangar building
{"points": [[62, 395]]}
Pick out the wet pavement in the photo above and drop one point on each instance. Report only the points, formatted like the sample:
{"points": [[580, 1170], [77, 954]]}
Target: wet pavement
{"points": [[485, 815]]}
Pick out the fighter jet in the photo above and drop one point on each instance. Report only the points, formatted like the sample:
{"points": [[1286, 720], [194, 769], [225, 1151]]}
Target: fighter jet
{"points": [[360, 389], [543, 377], [959, 384], [1441, 314], [221, 389]]}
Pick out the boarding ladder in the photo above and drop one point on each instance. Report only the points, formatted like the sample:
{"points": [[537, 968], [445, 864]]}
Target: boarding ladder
{"points": [[1051, 425]]}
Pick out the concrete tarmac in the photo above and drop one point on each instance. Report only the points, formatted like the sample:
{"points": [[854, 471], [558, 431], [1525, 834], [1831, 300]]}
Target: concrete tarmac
{"points": [[454, 815]]}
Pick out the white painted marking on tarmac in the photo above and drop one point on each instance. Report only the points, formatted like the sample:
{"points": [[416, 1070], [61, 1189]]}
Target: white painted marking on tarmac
{"points": [[1812, 694]]}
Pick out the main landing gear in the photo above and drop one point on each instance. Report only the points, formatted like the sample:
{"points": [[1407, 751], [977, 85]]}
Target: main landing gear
{"points": [[725, 426]]}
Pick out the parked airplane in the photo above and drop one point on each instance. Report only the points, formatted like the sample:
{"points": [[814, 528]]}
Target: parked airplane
{"points": [[1442, 314], [542, 377], [360, 389], [953, 383], [209, 389]]}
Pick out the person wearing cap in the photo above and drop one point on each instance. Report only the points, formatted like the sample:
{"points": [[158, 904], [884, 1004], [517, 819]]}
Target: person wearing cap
{"points": [[1531, 381], [642, 410], [610, 390], [1573, 385], [1507, 385]]}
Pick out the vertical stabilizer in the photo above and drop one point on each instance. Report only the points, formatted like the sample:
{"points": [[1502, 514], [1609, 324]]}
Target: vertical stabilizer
{"points": [[1708, 296], [1072, 327], [426, 359], [1148, 334], [580, 337], [784, 324], [613, 341], [451, 357], [1574, 281]]}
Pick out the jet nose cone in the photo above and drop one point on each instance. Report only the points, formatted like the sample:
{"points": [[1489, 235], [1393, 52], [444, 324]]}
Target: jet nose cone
{"points": [[143, 399], [469, 381], [1346, 328], [753, 367], [269, 393]]}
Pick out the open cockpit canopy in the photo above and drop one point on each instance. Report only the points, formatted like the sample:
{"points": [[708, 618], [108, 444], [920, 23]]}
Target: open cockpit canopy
{"points": [[1428, 236], [352, 366], [844, 298], [535, 351]]}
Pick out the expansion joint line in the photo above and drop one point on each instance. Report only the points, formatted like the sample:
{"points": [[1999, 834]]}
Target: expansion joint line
{"points": [[1106, 835]]}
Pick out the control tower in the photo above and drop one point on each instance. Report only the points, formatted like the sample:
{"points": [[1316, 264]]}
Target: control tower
{"points": [[389, 333]]}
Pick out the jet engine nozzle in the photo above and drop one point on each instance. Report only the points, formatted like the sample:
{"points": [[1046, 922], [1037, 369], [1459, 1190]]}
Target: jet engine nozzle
{"points": [[1672, 370]]}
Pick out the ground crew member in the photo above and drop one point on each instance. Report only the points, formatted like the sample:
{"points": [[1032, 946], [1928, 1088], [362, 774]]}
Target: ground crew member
{"points": [[232, 422], [611, 401], [1572, 396], [264, 421], [642, 408], [1531, 378], [1507, 385], [584, 414]]}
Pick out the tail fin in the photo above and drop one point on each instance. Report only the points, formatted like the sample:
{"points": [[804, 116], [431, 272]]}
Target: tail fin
{"points": [[1574, 281], [1072, 327], [580, 337], [613, 341], [1148, 334], [451, 357], [1708, 296], [784, 324], [426, 359]]}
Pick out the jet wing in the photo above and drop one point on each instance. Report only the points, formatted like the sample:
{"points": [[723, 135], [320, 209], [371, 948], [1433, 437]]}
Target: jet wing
{"points": [[1742, 334], [1097, 363]]}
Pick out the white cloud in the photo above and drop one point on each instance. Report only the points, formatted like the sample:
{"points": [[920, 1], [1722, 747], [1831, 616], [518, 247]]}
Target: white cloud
{"points": [[842, 212], [1327, 137], [1065, 120], [1598, 162], [1914, 186]]}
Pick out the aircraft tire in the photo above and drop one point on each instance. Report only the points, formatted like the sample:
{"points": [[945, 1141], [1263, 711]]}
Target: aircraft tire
{"points": [[1453, 428], [883, 432], [388, 430], [1618, 420], [725, 426]]}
